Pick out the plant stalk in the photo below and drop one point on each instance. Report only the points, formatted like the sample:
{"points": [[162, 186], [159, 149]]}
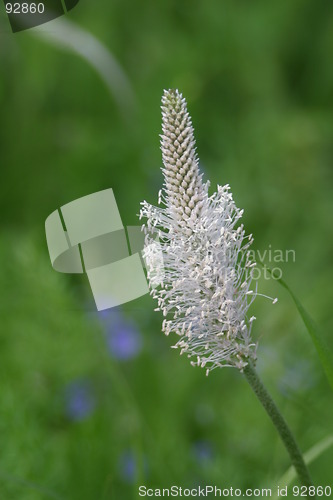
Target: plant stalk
{"points": [[281, 425]]}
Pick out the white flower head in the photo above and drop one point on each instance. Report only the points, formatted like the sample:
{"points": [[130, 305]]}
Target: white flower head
{"points": [[203, 283]]}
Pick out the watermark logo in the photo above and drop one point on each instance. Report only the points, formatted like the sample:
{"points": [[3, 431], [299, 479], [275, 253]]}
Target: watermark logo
{"points": [[27, 14], [274, 257], [88, 236]]}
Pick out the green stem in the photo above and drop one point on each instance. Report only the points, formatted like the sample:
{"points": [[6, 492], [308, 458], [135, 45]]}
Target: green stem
{"points": [[280, 424]]}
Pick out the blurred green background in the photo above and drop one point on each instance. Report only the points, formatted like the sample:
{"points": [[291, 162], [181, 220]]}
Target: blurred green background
{"points": [[91, 405]]}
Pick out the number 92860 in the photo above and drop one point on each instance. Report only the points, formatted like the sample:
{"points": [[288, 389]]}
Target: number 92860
{"points": [[25, 8]]}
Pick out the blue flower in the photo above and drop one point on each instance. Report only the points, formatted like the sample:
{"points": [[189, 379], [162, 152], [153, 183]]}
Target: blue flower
{"points": [[80, 402], [128, 466], [203, 451], [123, 338]]}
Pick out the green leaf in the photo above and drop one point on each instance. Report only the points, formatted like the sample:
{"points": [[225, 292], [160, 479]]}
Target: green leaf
{"points": [[311, 455], [317, 336], [68, 36]]}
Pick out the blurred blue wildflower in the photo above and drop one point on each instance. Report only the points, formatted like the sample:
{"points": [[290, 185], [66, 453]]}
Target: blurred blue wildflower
{"points": [[123, 338], [128, 466], [203, 451], [80, 402]]}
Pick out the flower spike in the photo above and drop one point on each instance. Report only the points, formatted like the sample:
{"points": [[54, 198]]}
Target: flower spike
{"points": [[203, 282]]}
